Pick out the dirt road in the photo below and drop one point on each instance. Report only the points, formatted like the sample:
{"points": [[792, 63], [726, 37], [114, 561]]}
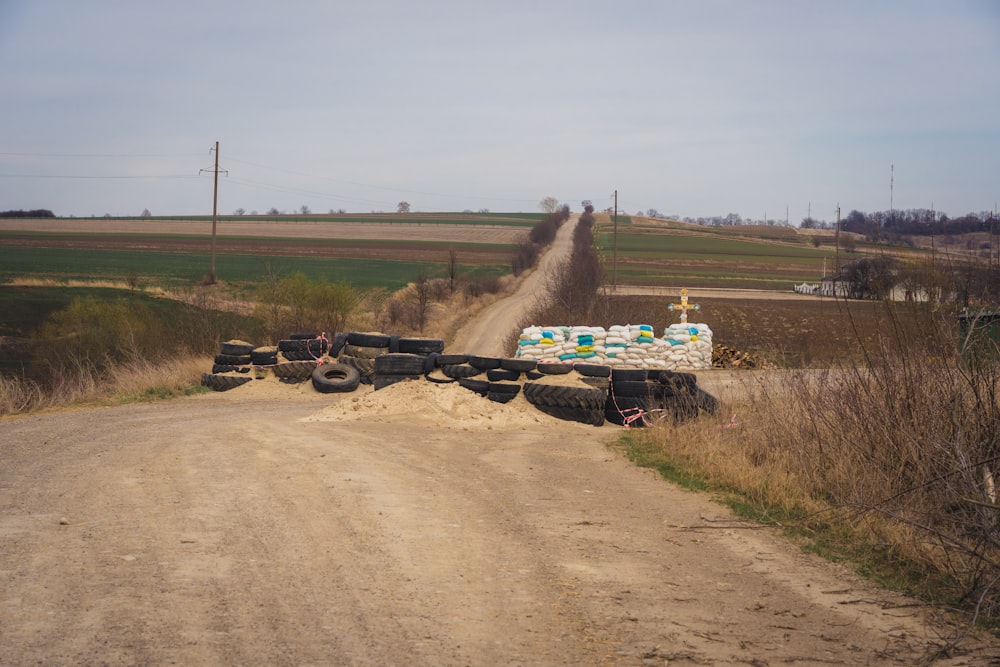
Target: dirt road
{"points": [[418, 525], [484, 335]]}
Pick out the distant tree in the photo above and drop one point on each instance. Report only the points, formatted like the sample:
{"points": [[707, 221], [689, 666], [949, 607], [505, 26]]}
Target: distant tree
{"points": [[484, 211], [240, 211], [587, 205], [549, 205], [403, 207], [653, 213], [809, 223], [304, 210], [452, 269], [849, 244], [816, 241], [146, 213], [273, 211]]}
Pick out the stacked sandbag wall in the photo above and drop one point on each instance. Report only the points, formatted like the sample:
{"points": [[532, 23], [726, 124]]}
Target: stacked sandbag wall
{"points": [[683, 347]]}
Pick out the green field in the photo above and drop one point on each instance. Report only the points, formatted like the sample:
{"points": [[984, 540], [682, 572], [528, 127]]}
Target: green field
{"points": [[488, 219], [184, 269]]}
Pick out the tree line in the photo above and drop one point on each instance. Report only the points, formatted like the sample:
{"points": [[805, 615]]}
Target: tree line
{"points": [[34, 213]]}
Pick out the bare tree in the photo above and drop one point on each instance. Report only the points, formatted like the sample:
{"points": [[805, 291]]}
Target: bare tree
{"points": [[403, 207], [240, 211], [422, 292], [452, 269], [304, 210], [549, 205]]}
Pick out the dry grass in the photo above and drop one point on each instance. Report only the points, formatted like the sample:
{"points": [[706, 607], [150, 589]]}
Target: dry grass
{"points": [[889, 462]]}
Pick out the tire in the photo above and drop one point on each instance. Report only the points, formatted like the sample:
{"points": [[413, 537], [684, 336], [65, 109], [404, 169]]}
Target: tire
{"points": [[500, 374], [383, 381], [220, 382], [304, 335], [519, 365], [592, 417], [502, 392], [233, 359], [438, 380], [337, 344], [459, 371], [264, 356], [225, 368], [484, 363], [334, 378], [300, 370], [561, 396], [593, 370], [364, 367], [629, 374], [368, 339], [604, 384], [363, 352], [318, 346], [681, 384], [393, 344], [554, 369], [423, 346], [533, 375], [635, 388], [623, 409], [481, 387], [302, 355], [706, 401], [451, 359], [236, 347], [399, 364]]}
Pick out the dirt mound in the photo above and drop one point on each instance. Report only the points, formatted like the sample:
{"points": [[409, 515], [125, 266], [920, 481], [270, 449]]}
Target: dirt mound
{"points": [[447, 406]]}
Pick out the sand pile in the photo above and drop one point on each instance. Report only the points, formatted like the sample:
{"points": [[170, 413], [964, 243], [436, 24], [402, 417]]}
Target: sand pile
{"points": [[444, 405]]}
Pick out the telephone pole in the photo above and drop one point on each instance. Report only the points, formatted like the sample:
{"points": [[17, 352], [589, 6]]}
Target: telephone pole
{"points": [[614, 252], [215, 210]]}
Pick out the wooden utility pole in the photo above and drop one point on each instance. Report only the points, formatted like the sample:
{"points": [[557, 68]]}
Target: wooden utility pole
{"points": [[836, 245], [215, 212], [614, 251]]}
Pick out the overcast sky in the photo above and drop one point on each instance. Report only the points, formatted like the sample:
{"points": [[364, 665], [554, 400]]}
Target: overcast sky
{"points": [[692, 108]]}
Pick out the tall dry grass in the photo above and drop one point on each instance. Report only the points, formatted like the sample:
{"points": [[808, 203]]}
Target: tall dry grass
{"points": [[894, 458]]}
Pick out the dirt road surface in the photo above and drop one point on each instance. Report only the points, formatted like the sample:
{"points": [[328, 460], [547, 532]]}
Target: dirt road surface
{"points": [[484, 335], [417, 525]]}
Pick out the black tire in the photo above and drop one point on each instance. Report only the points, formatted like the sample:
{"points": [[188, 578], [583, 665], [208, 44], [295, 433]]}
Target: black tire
{"points": [[600, 383], [383, 381], [636, 388], [706, 401], [629, 374], [421, 345], [593, 370], [459, 371], [451, 359], [264, 356], [318, 346], [368, 339], [533, 375], [681, 383], [519, 365], [226, 368], [554, 369], [592, 417], [626, 409], [302, 355], [365, 367], [500, 374], [502, 392], [334, 378], [222, 382], [337, 344], [430, 361], [393, 344], [233, 359], [481, 387], [431, 377], [304, 335], [562, 396], [363, 352], [300, 370], [399, 364], [484, 363], [236, 347]]}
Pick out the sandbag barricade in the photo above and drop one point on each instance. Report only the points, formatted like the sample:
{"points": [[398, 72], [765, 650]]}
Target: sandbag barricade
{"points": [[683, 347]]}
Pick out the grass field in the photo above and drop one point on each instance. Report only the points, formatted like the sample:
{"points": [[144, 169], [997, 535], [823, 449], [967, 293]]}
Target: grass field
{"points": [[504, 219]]}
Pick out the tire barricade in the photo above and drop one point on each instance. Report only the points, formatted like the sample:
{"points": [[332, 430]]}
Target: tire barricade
{"points": [[585, 391]]}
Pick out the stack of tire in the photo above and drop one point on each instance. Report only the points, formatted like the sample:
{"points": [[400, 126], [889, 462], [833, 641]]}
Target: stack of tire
{"points": [[407, 359], [498, 379], [298, 356], [640, 397], [584, 404], [360, 351], [232, 366]]}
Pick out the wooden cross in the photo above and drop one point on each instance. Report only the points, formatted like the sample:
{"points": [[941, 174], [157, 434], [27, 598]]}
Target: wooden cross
{"points": [[683, 306]]}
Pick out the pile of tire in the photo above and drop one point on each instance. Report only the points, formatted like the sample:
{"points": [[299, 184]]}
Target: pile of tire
{"points": [[640, 397], [232, 366]]}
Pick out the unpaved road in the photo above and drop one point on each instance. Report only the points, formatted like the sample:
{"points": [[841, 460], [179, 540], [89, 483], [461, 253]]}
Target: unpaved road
{"points": [[229, 529], [484, 335]]}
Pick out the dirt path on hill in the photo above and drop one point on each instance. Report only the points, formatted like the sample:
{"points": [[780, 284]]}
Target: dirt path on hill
{"points": [[484, 335]]}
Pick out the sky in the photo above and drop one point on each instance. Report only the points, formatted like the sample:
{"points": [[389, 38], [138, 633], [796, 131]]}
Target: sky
{"points": [[771, 108]]}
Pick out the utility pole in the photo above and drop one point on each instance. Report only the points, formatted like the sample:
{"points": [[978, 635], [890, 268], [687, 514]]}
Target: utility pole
{"points": [[614, 252], [836, 244], [215, 211]]}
